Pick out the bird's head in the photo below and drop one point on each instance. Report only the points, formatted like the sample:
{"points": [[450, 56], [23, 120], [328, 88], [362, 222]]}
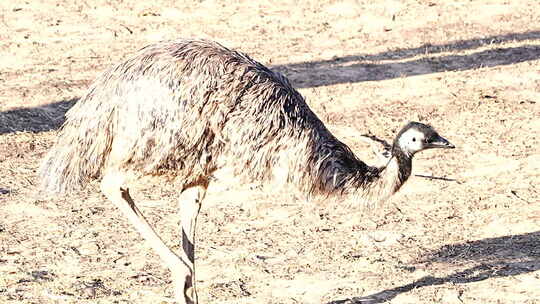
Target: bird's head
{"points": [[415, 137]]}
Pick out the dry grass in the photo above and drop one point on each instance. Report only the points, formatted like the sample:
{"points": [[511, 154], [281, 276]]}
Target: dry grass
{"points": [[468, 67]]}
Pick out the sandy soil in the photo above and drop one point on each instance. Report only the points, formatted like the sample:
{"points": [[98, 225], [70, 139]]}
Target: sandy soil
{"points": [[470, 68]]}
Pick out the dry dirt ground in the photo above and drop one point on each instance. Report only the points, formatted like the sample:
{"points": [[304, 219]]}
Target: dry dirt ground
{"points": [[471, 235]]}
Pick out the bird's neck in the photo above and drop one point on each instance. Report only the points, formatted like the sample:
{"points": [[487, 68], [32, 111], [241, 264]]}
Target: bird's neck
{"points": [[340, 173], [389, 180], [399, 168]]}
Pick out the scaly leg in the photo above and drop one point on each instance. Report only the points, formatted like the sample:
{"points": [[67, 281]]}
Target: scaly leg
{"points": [[190, 204], [113, 188]]}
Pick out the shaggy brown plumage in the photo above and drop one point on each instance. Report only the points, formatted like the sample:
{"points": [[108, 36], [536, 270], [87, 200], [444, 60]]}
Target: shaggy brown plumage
{"points": [[189, 107]]}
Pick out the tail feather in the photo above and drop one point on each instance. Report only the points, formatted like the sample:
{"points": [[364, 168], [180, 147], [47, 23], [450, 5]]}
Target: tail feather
{"points": [[82, 147]]}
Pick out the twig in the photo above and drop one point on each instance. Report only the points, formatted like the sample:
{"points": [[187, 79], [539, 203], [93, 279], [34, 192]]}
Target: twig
{"points": [[515, 193], [439, 178]]}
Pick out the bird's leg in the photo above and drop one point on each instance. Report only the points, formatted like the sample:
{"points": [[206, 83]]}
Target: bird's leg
{"points": [[190, 204], [113, 188]]}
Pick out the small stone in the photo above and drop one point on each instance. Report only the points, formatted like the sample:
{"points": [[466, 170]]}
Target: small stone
{"points": [[450, 296]]}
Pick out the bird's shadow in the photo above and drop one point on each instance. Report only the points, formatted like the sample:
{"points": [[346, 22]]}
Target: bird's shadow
{"points": [[493, 257], [425, 59], [38, 119]]}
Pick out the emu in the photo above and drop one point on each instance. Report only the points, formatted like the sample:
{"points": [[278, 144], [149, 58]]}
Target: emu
{"points": [[183, 109]]}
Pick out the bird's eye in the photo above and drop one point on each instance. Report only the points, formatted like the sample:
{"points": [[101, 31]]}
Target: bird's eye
{"points": [[414, 139]]}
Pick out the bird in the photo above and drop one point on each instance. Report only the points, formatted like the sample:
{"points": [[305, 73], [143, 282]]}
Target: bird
{"points": [[183, 109]]}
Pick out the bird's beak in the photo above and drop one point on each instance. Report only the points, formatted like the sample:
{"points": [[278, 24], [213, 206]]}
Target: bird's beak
{"points": [[440, 142]]}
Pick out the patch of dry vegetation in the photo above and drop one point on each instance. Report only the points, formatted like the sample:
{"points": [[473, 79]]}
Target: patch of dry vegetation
{"points": [[468, 67]]}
